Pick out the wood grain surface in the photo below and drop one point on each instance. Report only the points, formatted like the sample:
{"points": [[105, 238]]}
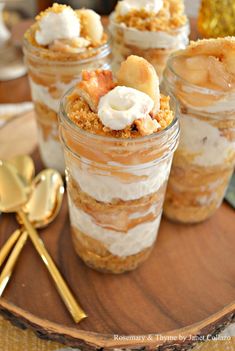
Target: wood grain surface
{"points": [[189, 277]]}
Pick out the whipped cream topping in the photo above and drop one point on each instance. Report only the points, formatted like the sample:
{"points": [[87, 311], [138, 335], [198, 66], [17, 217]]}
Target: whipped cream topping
{"points": [[61, 25], [154, 40], [126, 6], [121, 106]]}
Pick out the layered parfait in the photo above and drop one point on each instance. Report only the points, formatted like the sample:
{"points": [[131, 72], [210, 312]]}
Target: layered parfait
{"points": [[202, 77], [58, 46], [152, 29], [119, 138]]}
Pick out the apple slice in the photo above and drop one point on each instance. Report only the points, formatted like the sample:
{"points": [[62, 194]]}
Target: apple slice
{"points": [[138, 73]]}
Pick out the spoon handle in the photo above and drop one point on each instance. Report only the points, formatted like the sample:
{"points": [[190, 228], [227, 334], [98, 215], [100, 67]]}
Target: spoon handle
{"points": [[5, 250], [8, 269], [75, 310]]}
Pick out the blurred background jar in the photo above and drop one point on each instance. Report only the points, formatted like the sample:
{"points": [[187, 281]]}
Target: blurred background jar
{"points": [[217, 18], [100, 6], [11, 61], [31, 7], [204, 162]]}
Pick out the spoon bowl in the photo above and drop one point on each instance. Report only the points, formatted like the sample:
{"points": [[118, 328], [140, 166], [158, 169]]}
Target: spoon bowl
{"points": [[46, 199], [24, 165], [14, 188]]}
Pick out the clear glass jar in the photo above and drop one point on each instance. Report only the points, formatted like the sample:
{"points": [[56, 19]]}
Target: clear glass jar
{"points": [[205, 159], [155, 47], [51, 74], [116, 189]]}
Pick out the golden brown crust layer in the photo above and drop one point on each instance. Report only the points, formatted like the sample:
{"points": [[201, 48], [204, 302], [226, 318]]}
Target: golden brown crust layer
{"points": [[94, 254], [194, 193], [93, 86], [170, 17]]}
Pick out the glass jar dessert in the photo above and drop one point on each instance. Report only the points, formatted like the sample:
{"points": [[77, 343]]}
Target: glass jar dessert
{"points": [[55, 59], [203, 81], [152, 29], [119, 139]]}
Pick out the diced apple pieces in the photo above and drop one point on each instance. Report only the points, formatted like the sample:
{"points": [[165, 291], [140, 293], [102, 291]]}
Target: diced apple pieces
{"points": [[193, 69], [91, 23], [197, 62], [147, 126], [197, 76], [205, 70], [229, 61], [218, 74]]}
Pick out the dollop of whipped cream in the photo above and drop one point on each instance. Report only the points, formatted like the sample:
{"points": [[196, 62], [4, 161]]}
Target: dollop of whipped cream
{"points": [[121, 106], [58, 25], [125, 6]]}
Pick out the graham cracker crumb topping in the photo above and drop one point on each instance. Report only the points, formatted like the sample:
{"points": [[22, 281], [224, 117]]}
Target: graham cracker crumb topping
{"points": [[87, 119], [56, 8], [170, 17]]}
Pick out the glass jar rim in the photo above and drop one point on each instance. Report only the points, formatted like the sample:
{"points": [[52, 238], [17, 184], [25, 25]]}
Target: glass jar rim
{"points": [[97, 137], [105, 51], [195, 87]]}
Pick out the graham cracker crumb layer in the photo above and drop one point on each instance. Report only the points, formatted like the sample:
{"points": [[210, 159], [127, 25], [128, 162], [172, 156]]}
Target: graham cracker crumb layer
{"points": [[170, 17], [80, 113], [96, 256], [56, 8]]}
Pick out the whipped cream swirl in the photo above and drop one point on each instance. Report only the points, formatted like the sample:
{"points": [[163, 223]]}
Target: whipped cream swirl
{"points": [[61, 25], [126, 6], [122, 106]]}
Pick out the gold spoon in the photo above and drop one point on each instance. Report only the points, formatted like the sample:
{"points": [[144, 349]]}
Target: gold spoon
{"points": [[42, 208], [14, 193], [25, 167]]}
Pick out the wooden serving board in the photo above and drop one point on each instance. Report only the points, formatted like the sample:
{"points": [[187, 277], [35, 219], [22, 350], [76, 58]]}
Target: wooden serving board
{"points": [[187, 287]]}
